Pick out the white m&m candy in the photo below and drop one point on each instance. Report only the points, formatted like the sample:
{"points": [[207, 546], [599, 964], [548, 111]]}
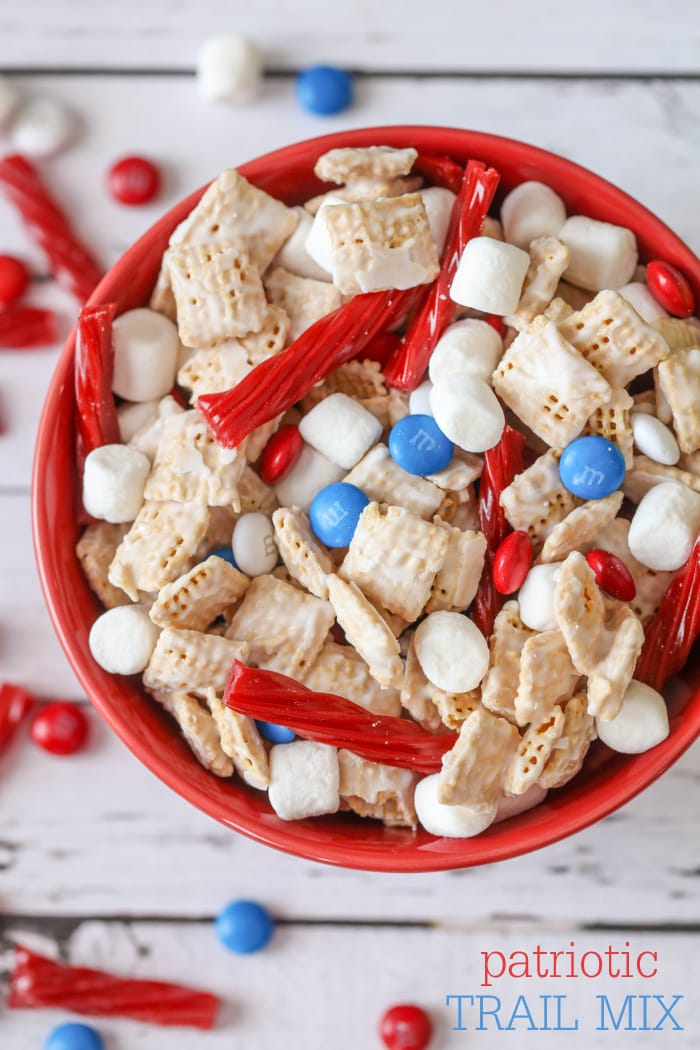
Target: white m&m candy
{"points": [[467, 411], [228, 69], [253, 544], [529, 211], [145, 355], [601, 255], [114, 477], [452, 651], [490, 276], [536, 597], [654, 439], [664, 526], [122, 639], [455, 822], [641, 723], [472, 347]]}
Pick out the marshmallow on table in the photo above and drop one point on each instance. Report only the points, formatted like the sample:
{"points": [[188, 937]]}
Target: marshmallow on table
{"points": [[639, 296], [311, 473], [9, 100], [654, 439], [341, 428], [513, 805], [454, 822], [664, 526], [318, 242], [601, 255], [229, 69], [42, 127], [304, 780], [472, 347], [641, 723], [114, 477], [293, 255], [132, 416], [531, 210], [253, 544], [146, 347], [122, 639], [452, 651], [536, 597], [490, 276], [467, 412], [438, 201], [419, 400]]}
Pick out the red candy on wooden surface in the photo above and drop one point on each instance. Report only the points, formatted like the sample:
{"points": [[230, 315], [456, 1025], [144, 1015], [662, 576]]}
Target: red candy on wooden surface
{"points": [[134, 180], [280, 453], [406, 1027], [60, 728], [512, 562], [670, 288], [15, 704], [27, 327], [612, 575], [14, 278]]}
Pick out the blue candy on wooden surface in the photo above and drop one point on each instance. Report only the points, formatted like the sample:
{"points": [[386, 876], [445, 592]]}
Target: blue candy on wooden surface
{"points": [[274, 733], [324, 89], [335, 511], [592, 467], [73, 1036], [418, 445], [244, 926]]}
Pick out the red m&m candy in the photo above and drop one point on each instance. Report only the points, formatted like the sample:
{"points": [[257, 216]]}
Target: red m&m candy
{"points": [[612, 575], [405, 1027], [511, 562], [134, 180], [60, 728], [670, 288], [13, 278], [280, 453]]}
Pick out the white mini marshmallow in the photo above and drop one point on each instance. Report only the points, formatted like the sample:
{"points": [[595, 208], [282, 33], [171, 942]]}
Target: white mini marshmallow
{"points": [[311, 473], [293, 255], [490, 276], [452, 822], [145, 355], [122, 639], [536, 597], [664, 526], [42, 127], [641, 723], [438, 201], [654, 439], [529, 211], [10, 97], [452, 651], [513, 805], [304, 780], [471, 347], [113, 481], [318, 240], [340, 428], [639, 296], [253, 544], [132, 416], [419, 400], [601, 255], [467, 411], [229, 69]]}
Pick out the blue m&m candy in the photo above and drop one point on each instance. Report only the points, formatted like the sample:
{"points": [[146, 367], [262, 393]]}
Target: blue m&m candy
{"points": [[275, 734], [244, 926], [226, 553], [324, 89], [73, 1037], [418, 445], [591, 467], [335, 512]]}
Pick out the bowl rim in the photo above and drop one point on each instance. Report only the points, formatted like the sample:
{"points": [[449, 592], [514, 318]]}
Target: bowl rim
{"points": [[638, 772]]}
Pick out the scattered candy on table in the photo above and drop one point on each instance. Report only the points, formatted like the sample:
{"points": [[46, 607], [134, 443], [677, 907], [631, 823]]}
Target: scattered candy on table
{"points": [[134, 180], [612, 575], [26, 327], [418, 445], [670, 288], [335, 512], [592, 467], [512, 562], [280, 454], [324, 90], [15, 704], [60, 728], [244, 926], [253, 543], [72, 1036], [406, 1027], [14, 278], [43, 127], [229, 69]]}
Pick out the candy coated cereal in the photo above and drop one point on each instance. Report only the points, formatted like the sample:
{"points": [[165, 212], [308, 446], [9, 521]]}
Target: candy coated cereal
{"points": [[405, 1027], [280, 454], [670, 288], [324, 90], [418, 445], [60, 728], [335, 512], [512, 562], [73, 1036], [612, 575], [14, 278], [592, 467], [244, 927], [274, 733], [134, 180]]}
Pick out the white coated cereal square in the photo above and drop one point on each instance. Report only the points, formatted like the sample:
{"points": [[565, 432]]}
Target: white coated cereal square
{"points": [[341, 428], [304, 780]]}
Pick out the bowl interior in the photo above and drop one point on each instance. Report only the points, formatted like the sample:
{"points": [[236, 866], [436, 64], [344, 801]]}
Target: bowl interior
{"points": [[607, 780]]}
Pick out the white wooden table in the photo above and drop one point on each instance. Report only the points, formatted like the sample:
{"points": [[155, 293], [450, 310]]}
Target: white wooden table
{"points": [[100, 860]]}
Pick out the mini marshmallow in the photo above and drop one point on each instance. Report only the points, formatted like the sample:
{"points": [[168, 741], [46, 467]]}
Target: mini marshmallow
{"points": [[452, 651], [529, 211], [145, 355], [311, 473], [133, 416], [490, 276], [9, 100], [253, 543], [452, 822], [341, 428], [654, 439], [467, 411], [122, 639], [639, 296], [438, 201], [601, 255], [318, 242], [641, 723], [293, 255], [229, 69], [113, 481], [512, 805], [304, 780], [536, 597], [664, 526], [42, 127], [419, 400], [472, 347]]}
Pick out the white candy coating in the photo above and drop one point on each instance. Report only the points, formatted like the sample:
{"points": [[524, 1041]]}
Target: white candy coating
{"points": [[42, 127], [601, 255], [122, 639], [293, 255], [318, 240], [253, 544], [654, 439], [9, 100], [536, 597], [438, 201], [304, 780], [452, 651], [490, 276], [132, 416], [664, 526], [419, 400], [341, 428], [531, 210], [641, 723], [512, 805], [639, 296], [311, 472], [470, 346], [229, 69], [467, 411], [453, 822], [145, 355], [113, 481]]}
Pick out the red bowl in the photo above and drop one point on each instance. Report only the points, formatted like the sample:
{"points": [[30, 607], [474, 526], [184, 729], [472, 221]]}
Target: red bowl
{"points": [[607, 781]]}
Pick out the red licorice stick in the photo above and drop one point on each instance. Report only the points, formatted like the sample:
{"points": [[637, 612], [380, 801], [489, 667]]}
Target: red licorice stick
{"points": [[15, 704], [277, 383], [407, 366], [36, 981], [440, 170], [25, 327], [670, 636], [97, 414], [331, 719], [70, 261]]}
